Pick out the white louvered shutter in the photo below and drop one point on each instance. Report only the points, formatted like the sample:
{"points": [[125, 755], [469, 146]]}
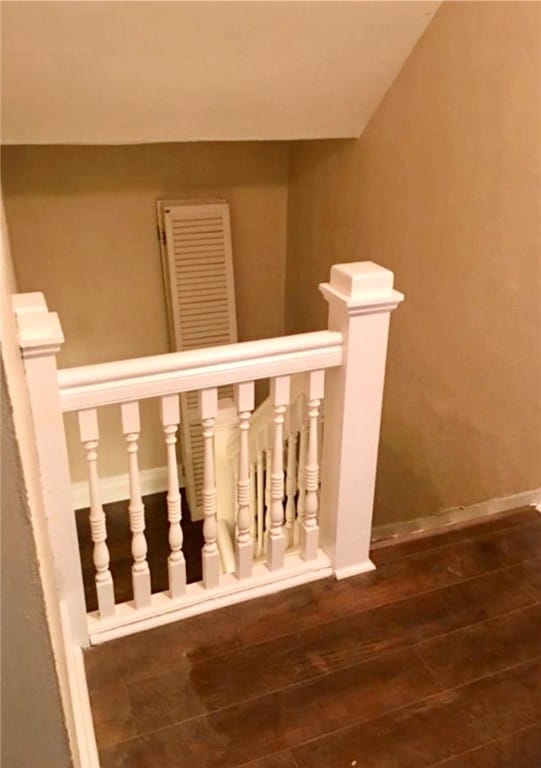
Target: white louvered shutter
{"points": [[198, 271]]}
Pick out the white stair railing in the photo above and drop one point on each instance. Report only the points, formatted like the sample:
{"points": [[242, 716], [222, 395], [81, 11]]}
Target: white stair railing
{"points": [[331, 530], [260, 445]]}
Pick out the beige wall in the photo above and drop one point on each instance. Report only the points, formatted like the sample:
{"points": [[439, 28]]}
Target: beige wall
{"points": [[443, 188], [82, 225], [141, 72]]}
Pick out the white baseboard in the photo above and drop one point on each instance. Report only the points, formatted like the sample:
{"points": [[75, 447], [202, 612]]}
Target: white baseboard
{"points": [[456, 515], [84, 736], [354, 570], [116, 488]]}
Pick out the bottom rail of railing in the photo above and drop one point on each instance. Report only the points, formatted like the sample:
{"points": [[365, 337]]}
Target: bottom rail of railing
{"points": [[164, 609]]}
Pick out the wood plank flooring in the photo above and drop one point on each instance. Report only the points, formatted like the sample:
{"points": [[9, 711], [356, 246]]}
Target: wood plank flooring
{"points": [[432, 660]]}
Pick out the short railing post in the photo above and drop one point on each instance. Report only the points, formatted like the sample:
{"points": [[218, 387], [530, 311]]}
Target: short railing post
{"points": [[40, 338], [361, 298]]}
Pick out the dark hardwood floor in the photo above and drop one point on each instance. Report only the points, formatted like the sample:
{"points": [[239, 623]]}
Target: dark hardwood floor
{"points": [[432, 660]]}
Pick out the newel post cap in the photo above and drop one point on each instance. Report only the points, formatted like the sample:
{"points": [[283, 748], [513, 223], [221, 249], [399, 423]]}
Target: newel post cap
{"points": [[361, 286], [39, 331]]}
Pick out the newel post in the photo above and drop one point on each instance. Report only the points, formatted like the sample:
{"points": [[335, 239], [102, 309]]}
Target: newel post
{"points": [[40, 338], [361, 298]]}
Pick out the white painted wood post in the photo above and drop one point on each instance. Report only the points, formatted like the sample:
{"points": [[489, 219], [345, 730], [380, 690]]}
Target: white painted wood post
{"points": [[40, 338], [176, 563], [244, 399], [276, 540], [211, 555], [131, 427], [361, 298]]}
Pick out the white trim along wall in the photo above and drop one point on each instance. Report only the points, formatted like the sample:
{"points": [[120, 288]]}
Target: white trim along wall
{"points": [[454, 516]]}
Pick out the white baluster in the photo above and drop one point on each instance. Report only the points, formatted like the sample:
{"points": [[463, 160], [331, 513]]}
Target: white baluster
{"points": [[176, 564], [253, 511], [244, 398], [276, 538], [211, 557], [268, 475], [260, 502], [88, 428], [291, 486], [301, 479], [131, 427], [309, 527]]}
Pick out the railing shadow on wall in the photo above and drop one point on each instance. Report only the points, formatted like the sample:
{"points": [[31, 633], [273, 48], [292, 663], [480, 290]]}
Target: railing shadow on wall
{"points": [[293, 522]]}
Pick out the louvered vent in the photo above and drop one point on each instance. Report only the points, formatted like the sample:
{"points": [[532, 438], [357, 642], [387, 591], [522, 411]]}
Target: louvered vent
{"points": [[197, 260]]}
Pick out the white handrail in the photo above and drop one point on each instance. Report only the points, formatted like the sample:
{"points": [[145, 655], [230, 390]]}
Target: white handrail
{"points": [[136, 379]]}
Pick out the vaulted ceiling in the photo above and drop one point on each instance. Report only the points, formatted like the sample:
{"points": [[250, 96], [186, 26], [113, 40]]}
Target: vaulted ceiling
{"points": [[137, 72]]}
